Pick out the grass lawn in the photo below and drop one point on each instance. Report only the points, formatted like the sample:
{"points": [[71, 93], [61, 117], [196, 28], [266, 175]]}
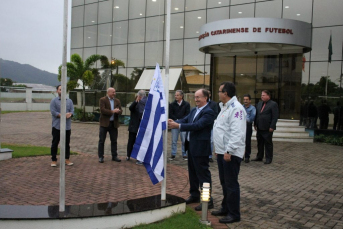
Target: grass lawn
{"points": [[187, 220], [28, 150]]}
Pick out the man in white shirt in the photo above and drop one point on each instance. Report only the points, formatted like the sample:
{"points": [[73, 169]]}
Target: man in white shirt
{"points": [[229, 132]]}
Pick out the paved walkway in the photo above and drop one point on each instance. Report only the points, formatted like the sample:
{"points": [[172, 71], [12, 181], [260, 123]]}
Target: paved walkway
{"points": [[302, 188]]}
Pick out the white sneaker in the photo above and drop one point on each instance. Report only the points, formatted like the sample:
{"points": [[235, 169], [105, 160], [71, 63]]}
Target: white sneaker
{"points": [[54, 164], [68, 162]]}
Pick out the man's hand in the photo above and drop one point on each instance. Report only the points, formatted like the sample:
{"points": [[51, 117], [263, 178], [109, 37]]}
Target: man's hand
{"points": [[116, 110], [227, 157], [172, 124], [271, 130], [68, 115]]}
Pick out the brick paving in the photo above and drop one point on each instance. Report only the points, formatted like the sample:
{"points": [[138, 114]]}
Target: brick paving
{"points": [[302, 188]]}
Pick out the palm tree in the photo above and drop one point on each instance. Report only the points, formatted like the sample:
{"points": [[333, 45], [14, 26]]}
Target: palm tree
{"points": [[81, 70], [114, 64]]}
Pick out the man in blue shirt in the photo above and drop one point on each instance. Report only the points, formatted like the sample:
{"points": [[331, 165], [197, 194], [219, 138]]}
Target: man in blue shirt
{"points": [[251, 113], [55, 109]]}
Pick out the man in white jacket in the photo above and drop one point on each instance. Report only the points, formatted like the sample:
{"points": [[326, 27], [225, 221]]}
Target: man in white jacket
{"points": [[229, 141]]}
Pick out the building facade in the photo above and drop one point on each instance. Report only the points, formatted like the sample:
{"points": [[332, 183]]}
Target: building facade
{"points": [[134, 32]]}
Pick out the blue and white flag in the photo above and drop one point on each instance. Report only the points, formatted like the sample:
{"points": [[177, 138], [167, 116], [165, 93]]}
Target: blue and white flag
{"points": [[148, 147]]}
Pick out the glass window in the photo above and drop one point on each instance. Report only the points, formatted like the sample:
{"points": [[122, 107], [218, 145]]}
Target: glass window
{"points": [[245, 76], [237, 2], [78, 2], [105, 9], [176, 26], [267, 76], [106, 51], [104, 34], [87, 52], [218, 14], [271, 9], [91, 14], [76, 51], [77, 16], [177, 6], [193, 22], [217, 3], [77, 38], [154, 28], [90, 36], [136, 30], [120, 52], [90, 1], [242, 11], [176, 51], [301, 12], [327, 12], [320, 43], [318, 78], [136, 55], [192, 55], [155, 7], [223, 71], [195, 5], [120, 10], [120, 32], [137, 9], [153, 53]]}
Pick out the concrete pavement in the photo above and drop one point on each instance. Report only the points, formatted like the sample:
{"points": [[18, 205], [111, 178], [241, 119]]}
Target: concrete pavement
{"points": [[302, 188]]}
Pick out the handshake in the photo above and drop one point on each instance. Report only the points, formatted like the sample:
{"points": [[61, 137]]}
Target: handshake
{"points": [[172, 124]]}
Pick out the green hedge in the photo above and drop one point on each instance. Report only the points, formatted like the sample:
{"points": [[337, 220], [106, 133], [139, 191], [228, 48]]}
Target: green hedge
{"points": [[331, 139]]}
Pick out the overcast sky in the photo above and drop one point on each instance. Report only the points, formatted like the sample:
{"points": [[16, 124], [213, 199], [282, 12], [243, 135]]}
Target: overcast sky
{"points": [[31, 32]]}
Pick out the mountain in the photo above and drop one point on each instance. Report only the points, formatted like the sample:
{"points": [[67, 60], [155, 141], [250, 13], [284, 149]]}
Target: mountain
{"points": [[24, 73]]}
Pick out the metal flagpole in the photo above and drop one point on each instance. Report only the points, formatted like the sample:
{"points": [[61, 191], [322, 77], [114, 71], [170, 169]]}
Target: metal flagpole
{"points": [[63, 108], [166, 92]]}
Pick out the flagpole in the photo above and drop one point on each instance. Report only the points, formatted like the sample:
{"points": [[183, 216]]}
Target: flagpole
{"points": [[63, 109], [166, 92]]}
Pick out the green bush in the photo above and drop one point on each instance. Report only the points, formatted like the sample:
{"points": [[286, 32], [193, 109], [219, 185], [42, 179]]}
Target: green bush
{"points": [[82, 116], [330, 139]]}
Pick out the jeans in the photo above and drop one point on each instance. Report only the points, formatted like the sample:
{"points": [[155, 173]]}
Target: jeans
{"points": [[102, 137], [175, 137], [248, 140], [228, 176], [211, 143], [56, 141]]}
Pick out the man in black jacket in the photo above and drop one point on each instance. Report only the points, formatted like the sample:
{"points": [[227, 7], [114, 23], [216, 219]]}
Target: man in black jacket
{"points": [[267, 113], [178, 110], [136, 109]]}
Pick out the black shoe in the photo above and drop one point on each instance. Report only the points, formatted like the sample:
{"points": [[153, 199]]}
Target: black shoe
{"points": [[211, 160], [246, 160], [228, 219], [192, 199], [268, 162], [127, 158], [116, 159], [101, 159], [199, 207], [257, 159], [171, 158], [219, 213]]}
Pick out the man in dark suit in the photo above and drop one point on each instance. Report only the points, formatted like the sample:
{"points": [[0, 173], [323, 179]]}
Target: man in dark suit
{"points": [[198, 125], [136, 109], [215, 107], [110, 109], [267, 113]]}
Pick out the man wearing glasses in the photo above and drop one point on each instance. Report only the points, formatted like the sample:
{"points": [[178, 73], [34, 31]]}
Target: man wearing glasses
{"points": [[198, 125]]}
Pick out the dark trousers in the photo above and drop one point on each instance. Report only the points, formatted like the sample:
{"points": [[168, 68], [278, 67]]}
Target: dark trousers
{"points": [[130, 143], [265, 142], [335, 123], [198, 171], [248, 140], [56, 141], [228, 176], [324, 122], [102, 137]]}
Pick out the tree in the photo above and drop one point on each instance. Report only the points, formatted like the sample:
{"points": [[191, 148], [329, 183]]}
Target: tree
{"points": [[114, 64], [81, 70]]}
